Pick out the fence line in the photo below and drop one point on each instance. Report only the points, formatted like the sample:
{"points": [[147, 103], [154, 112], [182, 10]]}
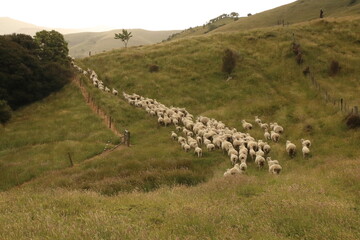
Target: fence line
{"points": [[339, 103], [107, 118]]}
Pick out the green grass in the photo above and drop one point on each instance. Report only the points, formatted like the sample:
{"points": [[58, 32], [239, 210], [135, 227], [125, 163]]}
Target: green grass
{"points": [[40, 136], [154, 190]]}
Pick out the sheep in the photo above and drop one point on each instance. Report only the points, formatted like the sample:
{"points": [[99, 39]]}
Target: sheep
{"points": [[274, 136], [252, 153], [246, 125], [114, 91], [233, 171], [274, 166], [267, 135], [290, 148], [210, 147], [161, 121], [260, 161], [266, 148], [305, 142], [277, 128], [242, 157], [107, 89], [243, 166], [234, 158], [264, 126], [166, 121], [174, 135], [305, 151], [198, 151], [181, 140], [257, 120], [232, 151], [186, 147]]}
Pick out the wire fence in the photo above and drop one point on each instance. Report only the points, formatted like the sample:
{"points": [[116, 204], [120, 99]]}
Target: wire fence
{"points": [[340, 103], [109, 120]]}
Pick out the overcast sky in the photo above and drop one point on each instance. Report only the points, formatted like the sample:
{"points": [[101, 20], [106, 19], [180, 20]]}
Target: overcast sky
{"points": [[145, 14]]}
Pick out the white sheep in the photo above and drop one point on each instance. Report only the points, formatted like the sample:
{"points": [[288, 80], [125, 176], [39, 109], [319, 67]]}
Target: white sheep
{"points": [[246, 125], [306, 142], [114, 91], [107, 89], [274, 136], [198, 151], [274, 166], [267, 135], [186, 147], [174, 135], [267, 148], [290, 148], [260, 161], [210, 147], [243, 166], [234, 158], [305, 151], [236, 170], [257, 120]]}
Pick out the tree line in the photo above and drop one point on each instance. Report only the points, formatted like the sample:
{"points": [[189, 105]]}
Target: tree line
{"points": [[31, 68]]}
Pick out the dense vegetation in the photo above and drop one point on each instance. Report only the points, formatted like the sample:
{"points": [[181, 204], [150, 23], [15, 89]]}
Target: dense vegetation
{"points": [[32, 68]]}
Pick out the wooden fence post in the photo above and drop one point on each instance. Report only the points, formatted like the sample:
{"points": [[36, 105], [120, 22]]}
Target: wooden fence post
{"points": [[355, 110], [127, 138], [110, 122], [341, 104], [71, 161]]}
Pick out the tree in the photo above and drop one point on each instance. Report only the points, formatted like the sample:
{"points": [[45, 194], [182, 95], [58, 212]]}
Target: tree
{"points": [[52, 47], [229, 61], [234, 14], [124, 36], [5, 112]]}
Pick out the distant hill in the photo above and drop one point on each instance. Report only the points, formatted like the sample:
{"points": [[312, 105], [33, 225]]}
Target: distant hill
{"points": [[80, 44], [296, 12], [9, 26]]}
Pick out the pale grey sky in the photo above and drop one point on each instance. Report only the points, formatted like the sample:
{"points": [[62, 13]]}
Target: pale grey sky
{"points": [[145, 14]]}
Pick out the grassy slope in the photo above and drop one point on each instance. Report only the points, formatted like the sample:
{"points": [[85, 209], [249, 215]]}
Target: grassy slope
{"points": [[296, 12], [39, 137], [81, 43], [200, 30], [313, 199]]}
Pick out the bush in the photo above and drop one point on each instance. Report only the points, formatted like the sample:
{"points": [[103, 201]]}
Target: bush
{"points": [[353, 121], [153, 68], [5, 112], [229, 61], [334, 67]]}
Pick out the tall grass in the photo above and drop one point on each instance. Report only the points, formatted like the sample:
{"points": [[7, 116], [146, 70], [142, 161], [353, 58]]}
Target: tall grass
{"points": [[143, 192]]}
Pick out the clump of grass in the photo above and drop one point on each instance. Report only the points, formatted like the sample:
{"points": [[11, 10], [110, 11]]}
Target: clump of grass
{"points": [[352, 121], [334, 68]]}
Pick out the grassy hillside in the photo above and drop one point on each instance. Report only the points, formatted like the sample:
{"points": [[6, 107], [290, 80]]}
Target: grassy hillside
{"points": [[142, 192], [97, 42], [40, 136], [298, 11]]}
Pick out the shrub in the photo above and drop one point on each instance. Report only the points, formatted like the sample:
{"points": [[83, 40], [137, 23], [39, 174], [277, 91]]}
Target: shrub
{"points": [[334, 67], [306, 71], [153, 68], [5, 112], [353, 121], [229, 61]]}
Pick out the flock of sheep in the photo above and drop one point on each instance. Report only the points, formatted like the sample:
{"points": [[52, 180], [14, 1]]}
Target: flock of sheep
{"points": [[194, 133], [95, 81]]}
